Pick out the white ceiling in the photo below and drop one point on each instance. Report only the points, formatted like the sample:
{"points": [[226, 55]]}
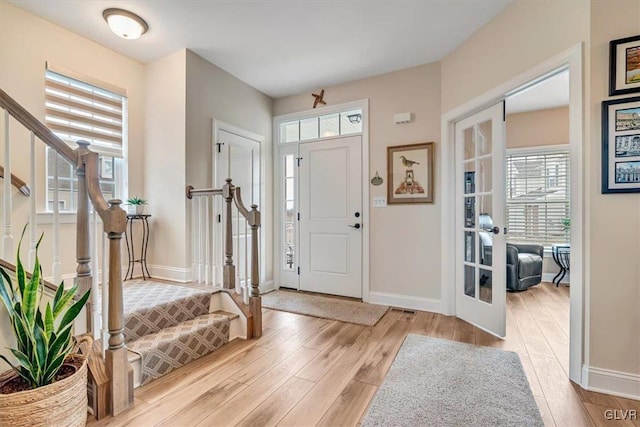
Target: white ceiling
{"points": [[285, 47], [550, 93]]}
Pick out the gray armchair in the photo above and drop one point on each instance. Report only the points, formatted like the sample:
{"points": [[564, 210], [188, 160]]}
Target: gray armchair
{"points": [[524, 265], [524, 261]]}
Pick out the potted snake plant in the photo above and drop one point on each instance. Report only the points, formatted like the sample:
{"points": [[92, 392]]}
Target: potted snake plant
{"points": [[48, 385]]}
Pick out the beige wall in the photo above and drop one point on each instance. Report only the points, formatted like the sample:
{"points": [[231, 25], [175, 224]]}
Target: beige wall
{"points": [[405, 240], [26, 43], [212, 93], [613, 267], [537, 128], [527, 33], [164, 163]]}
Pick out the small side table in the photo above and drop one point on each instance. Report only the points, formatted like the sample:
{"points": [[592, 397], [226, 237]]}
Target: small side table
{"points": [[143, 250], [561, 255]]}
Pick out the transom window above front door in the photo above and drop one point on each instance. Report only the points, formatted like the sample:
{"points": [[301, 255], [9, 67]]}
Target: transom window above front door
{"points": [[327, 126]]}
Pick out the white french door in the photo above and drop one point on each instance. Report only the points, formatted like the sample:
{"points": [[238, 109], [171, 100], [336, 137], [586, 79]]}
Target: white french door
{"points": [[480, 233], [236, 157], [330, 189]]}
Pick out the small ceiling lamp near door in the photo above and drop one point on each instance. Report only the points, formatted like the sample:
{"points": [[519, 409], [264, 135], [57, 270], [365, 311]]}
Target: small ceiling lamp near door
{"points": [[125, 24]]}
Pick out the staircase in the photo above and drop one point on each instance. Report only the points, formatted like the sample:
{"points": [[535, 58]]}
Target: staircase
{"points": [[168, 326], [152, 327]]}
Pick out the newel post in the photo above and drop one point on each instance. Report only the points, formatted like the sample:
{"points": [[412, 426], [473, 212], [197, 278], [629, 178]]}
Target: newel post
{"points": [[121, 386], [229, 270], [83, 237], [255, 302]]}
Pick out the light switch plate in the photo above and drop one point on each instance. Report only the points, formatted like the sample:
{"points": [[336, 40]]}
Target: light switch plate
{"points": [[379, 202]]}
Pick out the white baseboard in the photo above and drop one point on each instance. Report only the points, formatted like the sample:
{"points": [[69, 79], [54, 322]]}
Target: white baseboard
{"points": [[174, 274], [405, 301], [616, 383], [548, 277], [267, 286]]}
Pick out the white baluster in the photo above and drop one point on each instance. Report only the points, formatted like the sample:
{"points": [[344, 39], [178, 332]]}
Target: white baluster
{"points": [[194, 241], [96, 316], [238, 261], [105, 295], [207, 225], [33, 218], [56, 222], [218, 239], [200, 240], [247, 285], [7, 238]]}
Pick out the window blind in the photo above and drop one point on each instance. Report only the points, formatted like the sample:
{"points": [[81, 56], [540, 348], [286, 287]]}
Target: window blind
{"points": [[538, 200], [76, 110]]}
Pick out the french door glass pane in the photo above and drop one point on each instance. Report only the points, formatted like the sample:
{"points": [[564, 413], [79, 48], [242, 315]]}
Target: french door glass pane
{"points": [[470, 281], [469, 144], [486, 286], [469, 246], [484, 138]]}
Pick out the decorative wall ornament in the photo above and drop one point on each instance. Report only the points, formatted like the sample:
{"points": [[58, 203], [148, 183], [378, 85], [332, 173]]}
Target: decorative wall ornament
{"points": [[410, 173], [624, 66], [621, 145], [377, 180], [318, 99]]}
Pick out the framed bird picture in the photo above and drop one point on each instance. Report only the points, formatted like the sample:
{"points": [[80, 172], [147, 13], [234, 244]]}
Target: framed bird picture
{"points": [[410, 173]]}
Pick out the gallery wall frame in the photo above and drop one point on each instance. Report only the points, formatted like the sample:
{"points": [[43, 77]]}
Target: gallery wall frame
{"points": [[621, 145], [624, 66], [410, 172]]}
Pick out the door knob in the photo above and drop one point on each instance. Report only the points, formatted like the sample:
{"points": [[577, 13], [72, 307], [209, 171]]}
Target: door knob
{"points": [[495, 230], [356, 226]]}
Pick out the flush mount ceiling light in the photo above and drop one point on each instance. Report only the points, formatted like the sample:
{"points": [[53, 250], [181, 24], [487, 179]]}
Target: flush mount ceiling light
{"points": [[125, 24]]}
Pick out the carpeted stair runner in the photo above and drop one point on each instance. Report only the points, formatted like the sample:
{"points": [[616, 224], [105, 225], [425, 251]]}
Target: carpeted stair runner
{"points": [[150, 307], [173, 347], [169, 326]]}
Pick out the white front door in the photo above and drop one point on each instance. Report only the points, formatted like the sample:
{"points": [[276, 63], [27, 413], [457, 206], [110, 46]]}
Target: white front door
{"points": [[480, 239], [236, 157], [331, 216]]}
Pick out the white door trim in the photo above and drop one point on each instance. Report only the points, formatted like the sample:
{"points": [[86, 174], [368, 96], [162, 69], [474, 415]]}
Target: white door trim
{"points": [[363, 104], [570, 59], [219, 125]]}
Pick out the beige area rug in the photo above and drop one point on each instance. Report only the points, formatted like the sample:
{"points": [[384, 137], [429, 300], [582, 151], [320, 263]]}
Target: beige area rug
{"points": [[343, 310], [435, 382]]}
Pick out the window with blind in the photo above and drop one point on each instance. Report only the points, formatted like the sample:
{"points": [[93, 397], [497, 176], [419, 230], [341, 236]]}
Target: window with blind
{"points": [[76, 110], [538, 203]]}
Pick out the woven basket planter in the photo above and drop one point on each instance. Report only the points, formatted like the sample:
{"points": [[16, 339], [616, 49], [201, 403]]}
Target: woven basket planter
{"points": [[62, 403]]}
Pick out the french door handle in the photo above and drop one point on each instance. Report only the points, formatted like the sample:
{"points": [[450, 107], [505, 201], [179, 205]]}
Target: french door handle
{"points": [[356, 226], [495, 230]]}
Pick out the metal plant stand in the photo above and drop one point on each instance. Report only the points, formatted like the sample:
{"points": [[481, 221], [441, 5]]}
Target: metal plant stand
{"points": [[561, 255], [143, 250]]}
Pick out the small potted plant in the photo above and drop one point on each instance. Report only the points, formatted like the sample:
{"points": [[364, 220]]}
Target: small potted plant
{"points": [[48, 386], [138, 204]]}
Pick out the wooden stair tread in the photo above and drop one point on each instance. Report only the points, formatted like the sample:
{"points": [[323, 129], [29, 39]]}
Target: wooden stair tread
{"points": [[228, 314]]}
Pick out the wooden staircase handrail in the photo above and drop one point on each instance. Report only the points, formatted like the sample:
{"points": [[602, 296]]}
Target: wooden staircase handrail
{"points": [[36, 126], [18, 183], [114, 221]]}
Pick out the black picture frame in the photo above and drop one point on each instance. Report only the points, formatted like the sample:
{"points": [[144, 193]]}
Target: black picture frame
{"points": [[610, 156], [614, 86]]}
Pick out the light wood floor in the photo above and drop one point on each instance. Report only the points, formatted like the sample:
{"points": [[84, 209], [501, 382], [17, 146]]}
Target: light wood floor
{"points": [[306, 371]]}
